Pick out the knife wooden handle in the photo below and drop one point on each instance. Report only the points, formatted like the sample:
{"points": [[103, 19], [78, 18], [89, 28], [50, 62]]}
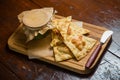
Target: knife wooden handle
{"points": [[93, 56]]}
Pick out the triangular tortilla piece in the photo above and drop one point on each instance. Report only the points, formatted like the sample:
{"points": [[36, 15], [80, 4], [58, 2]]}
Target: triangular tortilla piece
{"points": [[67, 21], [56, 38], [61, 51], [80, 51], [74, 40]]}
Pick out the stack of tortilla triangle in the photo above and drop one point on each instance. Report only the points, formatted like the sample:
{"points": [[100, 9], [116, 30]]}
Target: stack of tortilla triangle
{"points": [[68, 40]]}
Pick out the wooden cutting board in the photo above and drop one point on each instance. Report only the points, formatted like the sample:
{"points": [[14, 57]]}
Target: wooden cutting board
{"points": [[40, 49]]}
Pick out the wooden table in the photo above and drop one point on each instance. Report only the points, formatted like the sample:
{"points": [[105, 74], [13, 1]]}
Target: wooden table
{"points": [[14, 66]]}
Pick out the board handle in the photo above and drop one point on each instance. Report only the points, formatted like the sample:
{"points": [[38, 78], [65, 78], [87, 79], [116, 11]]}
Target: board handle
{"points": [[93, 56]]}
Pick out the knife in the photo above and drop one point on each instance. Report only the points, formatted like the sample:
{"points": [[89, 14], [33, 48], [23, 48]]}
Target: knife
{"points": [[103, 39]]}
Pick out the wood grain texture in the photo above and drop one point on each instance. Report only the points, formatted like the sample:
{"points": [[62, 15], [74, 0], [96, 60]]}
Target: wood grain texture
{"points": [[104, 13]]}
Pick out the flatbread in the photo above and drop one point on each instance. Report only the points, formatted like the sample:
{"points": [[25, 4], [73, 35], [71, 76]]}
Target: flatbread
{"points": [[36, 17], [73, 38], [67, 22], [61, 51], [80, 48]]}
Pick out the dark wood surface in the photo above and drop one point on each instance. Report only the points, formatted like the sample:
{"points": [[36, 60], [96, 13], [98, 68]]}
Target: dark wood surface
{"points": [[14, 66]]}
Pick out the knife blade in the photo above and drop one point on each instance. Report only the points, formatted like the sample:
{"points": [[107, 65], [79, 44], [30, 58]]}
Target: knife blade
{"points": [[103, 39]]}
